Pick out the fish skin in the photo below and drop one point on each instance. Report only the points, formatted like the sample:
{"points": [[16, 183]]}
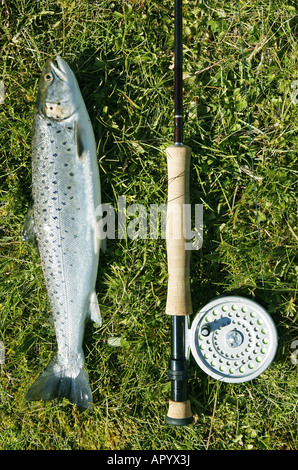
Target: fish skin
{"points": [[66, 192]]}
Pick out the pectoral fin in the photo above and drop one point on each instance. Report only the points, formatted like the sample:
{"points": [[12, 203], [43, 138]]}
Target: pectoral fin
{"points": [[94, 311], [28, 231], [80, 140]]}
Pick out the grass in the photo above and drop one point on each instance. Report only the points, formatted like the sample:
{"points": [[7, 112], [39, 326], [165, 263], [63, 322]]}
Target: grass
{"points": [[122, 54]]}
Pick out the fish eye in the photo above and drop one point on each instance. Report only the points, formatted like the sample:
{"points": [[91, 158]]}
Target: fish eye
{"points": [[48, 77]]}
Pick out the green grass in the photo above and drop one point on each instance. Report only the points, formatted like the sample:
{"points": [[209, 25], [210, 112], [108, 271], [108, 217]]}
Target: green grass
{"points": [[122, 54]]}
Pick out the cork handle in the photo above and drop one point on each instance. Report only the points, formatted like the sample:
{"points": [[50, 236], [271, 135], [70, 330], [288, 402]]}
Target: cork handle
{"points": [[178, 296], [179, 413]]}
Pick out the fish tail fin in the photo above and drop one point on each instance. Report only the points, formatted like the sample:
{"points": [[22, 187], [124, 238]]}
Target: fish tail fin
{"points": [[54, 382]]}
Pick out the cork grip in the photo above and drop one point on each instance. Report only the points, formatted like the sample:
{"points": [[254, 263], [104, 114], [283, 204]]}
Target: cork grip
{"points": [[178, 296], [179, 413]]}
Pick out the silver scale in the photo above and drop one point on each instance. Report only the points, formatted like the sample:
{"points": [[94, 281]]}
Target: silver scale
{"points": [[232, 339]]}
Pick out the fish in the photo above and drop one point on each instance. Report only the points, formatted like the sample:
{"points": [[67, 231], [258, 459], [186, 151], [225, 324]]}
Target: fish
{"points": [[62, 218]]}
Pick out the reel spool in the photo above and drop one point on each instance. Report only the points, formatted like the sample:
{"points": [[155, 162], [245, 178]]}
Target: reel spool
{"points": [[232, 339]]}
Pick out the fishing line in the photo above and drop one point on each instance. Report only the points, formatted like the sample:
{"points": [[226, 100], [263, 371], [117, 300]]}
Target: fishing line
{"points": [[250, 147]]}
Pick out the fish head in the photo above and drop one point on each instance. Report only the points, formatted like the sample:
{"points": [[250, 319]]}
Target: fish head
{"points": [[58, 92]]}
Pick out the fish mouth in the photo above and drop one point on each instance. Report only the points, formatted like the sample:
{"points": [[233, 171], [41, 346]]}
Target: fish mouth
{"points": [[60, 69]]}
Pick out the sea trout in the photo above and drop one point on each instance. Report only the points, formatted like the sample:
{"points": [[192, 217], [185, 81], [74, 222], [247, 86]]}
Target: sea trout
{"points": [[66, 194]]}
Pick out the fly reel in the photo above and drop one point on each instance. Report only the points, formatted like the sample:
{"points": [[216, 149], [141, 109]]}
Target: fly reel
{"points": [[232, 339]]}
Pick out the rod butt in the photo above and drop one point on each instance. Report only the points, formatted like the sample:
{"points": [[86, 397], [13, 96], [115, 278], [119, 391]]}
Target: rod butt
{"points": [[179, 413]]}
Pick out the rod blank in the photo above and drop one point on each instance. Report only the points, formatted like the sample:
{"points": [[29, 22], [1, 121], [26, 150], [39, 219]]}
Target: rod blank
{"points": [[178, 118]]}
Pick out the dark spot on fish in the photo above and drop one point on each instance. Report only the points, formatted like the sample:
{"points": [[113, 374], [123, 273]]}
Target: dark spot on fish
{"points": [[64, 143], [71, 174], [55, 217], [54, 199], [65, 164], [49, 124], [56, 172], [68, 150], [54, 182], [44, 210], [52, 141], [55, 154], [68, 187], [70, 128], [58, 132]]}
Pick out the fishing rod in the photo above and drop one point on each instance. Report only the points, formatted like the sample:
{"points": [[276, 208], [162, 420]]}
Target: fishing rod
{"points": [[233, 339], [179, 304]]}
